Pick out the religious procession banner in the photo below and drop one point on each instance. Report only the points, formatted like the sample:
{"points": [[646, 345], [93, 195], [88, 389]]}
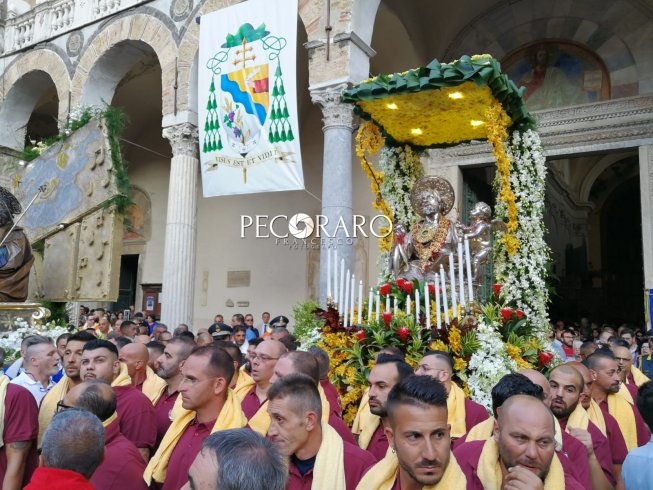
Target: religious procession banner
{"points": [[249, 136]]}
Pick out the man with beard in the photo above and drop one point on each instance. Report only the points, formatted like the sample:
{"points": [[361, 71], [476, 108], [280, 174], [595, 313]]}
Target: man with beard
{"points": [[41, 362], [418, 433], [520, 455], [605, 373], [318, 458], [174, 354], [72, 363], [387, 372], [566, 388]]}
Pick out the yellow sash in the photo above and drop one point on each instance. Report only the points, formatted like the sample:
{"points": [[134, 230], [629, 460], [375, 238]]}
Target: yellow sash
{"points": [[106, 423], [329, 469], [231, 417], [596, 416], [260, 421], [456, 409], [49, 405], [243, 385], [578, 419], [123, 378], [489, 469], [622, 411], [638, 377], [364, 418], [383, 474], [153, 386], [625, 393], [485, 430], [4, 382]]}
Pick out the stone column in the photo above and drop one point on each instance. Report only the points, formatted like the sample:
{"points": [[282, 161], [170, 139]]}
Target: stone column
{"points": [[181, 226], [336, 173], [646, 196]]}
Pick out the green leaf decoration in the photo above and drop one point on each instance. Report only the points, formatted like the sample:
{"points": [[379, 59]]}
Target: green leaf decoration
{"points": [[246, 33]]}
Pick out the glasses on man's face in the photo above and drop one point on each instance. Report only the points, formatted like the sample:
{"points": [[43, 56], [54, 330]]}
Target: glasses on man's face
{"points": [[262, 357], [61, 406]]}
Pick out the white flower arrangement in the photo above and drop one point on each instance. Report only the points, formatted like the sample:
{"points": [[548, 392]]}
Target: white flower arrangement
{"points": [[10, 341]]}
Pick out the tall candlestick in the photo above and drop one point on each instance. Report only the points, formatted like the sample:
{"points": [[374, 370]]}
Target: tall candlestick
{"points": [[452, 284], [328, 273], [335, 277], [468, 263], [444, 296], [370, 305], [437, 301], [416, 306], [346, 300], [427, 305], [352, 302], [341, 291], [408, 305], [378, 306], [360, 302], [461, 276], [387, 303]]}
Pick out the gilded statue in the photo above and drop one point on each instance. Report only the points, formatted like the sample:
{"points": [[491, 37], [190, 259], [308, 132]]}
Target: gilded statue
{"points": [[419, 253], [479, 234]]}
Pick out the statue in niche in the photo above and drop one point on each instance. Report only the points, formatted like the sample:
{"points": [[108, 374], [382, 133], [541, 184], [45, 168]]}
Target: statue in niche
{"points": [[15, 251], [419, 253]]}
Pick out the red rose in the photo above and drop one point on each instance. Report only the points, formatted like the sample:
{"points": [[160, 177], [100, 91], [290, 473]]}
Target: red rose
{"points": [[545, 358], [387, 317], [403, 333], [385, 289], [496, 288], [407, 287], [506, 314], [360, 335], [520, 314], [400, 282], [431, 289]]}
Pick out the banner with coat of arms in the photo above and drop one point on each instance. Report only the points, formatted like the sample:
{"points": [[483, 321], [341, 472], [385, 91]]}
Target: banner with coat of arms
{"points": [[249, 136]]}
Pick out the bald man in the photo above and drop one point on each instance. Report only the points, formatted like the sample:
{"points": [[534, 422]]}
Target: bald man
{"points": [[136, 357], [521, 453], [264, 359], [576, 460], [122, 466]]}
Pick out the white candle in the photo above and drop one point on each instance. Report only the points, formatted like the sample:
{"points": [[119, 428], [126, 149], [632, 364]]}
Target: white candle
{"points": [[468, 263], [335, 276], [370, 305], [378, 305], [352, 304], [437, 301], [395, 305], [408, 304], [341, 291], [427, 305], [461, 276], [452, 284], [345, 299], [416, 306], [387, 303], [360, 302], [328, 273], [444, 296]]}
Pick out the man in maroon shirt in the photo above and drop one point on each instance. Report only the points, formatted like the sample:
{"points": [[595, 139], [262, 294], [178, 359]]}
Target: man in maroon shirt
{"points": [[174, 354], [439, 365], [263, 361], [18, 455], [329, 390], [625, 362], [386, 373], [566, 387], [122, 467], [305, 363], [521, 452], [135, 411], [314, 448]]}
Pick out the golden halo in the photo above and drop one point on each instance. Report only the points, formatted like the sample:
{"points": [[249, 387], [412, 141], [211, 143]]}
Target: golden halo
{"points": [[433, 184]]}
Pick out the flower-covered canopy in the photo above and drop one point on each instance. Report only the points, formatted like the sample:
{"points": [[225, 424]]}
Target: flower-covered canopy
{"points": [[440, 104]]}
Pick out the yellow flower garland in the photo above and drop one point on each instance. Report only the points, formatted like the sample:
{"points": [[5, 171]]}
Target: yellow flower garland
{"points": [[497, 133]]}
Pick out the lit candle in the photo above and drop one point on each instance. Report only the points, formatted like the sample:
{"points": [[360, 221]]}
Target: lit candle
{"points": [[437, 301], [346, 299], [427, 305], [341, 291], [352, 303], [452, 284], [444, 296], [461, 276], [470, 286], [335, 277], [408, 304], [378, 306], [328, 274], [370, 305], [360, 302], [387, 303], [416, 306]]}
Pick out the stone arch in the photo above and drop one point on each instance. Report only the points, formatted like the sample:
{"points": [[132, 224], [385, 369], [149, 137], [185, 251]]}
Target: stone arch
{"points": [[99, 69], [597, 169], [24, 81]]}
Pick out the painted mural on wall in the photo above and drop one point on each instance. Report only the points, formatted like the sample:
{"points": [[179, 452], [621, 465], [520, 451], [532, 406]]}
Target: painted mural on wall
{"points": [[557, 74]]}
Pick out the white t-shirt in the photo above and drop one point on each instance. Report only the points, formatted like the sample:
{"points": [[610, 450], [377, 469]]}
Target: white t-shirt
{"points": [[35, 387]]}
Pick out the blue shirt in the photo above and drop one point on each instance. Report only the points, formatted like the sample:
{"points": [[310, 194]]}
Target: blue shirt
{"points": [[637, 470]]}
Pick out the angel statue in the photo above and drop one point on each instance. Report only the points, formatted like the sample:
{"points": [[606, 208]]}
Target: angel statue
{"points": [[418, 254], [479, 234]]}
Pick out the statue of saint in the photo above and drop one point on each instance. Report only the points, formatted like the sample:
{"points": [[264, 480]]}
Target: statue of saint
{"points": [[419, 254], [479, 234], [15, 252]]}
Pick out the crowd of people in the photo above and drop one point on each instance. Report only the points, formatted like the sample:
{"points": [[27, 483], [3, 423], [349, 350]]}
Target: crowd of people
{"points": [[236, 406]]}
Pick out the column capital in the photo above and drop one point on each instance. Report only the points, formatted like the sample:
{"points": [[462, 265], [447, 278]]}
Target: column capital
{"points": [[184, 139], [336, 112]]}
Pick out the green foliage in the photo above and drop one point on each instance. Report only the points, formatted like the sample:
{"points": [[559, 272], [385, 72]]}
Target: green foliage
{"points": [[58, 313], [306, 321], [246, 33]]}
